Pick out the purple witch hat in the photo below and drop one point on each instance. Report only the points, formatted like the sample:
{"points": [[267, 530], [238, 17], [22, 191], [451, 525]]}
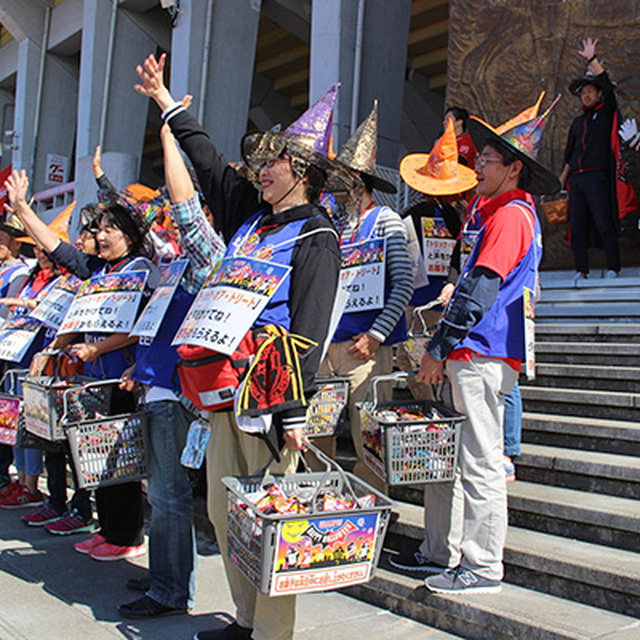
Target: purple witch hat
{"points": [[307, 141], [523, 141]]}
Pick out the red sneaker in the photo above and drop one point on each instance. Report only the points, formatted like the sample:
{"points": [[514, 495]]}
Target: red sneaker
{"points": [[107, 552], [11, 488], [88, 545], [42, 516], [22, 499]]}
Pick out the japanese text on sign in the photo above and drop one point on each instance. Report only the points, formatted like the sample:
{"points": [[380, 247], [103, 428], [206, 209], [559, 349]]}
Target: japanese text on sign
{"points": [[52, 309], [230, 301], [362, 275], [151, 318], [106, 304]]}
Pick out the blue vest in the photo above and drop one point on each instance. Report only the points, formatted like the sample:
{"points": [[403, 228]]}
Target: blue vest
{"points": [[277, 248], [500, 333], [46, 334], [111, 365], [156, 361], [8, 273], [352, 324]]}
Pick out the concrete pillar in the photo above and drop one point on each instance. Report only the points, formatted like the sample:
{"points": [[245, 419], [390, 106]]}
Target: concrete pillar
{"points": [[126, 110], [57, 117], [382, 68], [6, 124], [229, 66], [25, 105]]}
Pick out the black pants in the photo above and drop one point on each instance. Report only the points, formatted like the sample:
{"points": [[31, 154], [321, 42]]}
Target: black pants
{"points": [[590, 202], [56, 464], [120, 506], [6, 458]]}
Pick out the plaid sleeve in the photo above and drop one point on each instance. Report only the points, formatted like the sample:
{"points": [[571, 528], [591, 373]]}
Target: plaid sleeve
{"points": [[201, 245]]}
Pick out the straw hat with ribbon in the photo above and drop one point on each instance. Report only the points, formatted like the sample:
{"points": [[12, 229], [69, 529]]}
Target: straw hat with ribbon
{"points": [[360, 150], [438, 173], [306, 141], [523, 141]]}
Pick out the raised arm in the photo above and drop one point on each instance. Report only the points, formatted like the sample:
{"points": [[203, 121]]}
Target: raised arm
{"points": [[177, 178], [17, 185]]}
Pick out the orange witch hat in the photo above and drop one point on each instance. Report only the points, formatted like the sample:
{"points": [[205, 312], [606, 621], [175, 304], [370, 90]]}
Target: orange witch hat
{"points": [[438, 173]]}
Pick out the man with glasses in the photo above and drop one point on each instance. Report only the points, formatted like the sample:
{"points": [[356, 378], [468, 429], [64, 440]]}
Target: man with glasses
{"points": [[482, 340]]}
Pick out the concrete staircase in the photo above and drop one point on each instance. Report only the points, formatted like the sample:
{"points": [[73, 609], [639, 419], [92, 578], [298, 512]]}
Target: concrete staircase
{"points": [[572, 558]]}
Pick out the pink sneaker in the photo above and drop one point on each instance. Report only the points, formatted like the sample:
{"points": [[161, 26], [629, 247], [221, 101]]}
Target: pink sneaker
{"points": [[86, 546], [22, 498], [42, 516], [10, 489], [107, 552]]}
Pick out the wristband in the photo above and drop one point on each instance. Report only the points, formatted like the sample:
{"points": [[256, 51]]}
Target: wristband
{"points": [[592, 58]]}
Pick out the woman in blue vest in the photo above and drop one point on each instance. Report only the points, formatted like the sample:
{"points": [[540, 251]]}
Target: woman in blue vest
{"points": [[29, 462], [123, 247]]}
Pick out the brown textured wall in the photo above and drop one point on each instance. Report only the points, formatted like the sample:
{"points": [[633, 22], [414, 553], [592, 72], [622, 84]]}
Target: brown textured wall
{"points": [[502, 53]]}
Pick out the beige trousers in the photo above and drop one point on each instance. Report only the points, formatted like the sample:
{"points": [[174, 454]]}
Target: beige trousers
{"points": [[359, 373], [466, 520], [231, 452]]}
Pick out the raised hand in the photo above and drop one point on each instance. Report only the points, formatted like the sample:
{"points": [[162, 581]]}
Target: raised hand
{"points": [[97, 163], [151, 73], [17, 185], [588, 48]]}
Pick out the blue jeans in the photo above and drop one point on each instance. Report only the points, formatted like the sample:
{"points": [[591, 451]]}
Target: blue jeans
{"points": [[172, 550], [513, 422], [28, 460]]}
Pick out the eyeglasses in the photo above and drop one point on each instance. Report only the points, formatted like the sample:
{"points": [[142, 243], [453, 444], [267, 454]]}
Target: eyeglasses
{"points": [[482, 161]]}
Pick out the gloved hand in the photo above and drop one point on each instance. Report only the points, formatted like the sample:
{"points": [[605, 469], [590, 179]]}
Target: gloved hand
{"points": [[629, 133]]}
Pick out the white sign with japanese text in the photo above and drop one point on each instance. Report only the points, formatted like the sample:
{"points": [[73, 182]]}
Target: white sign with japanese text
{"points": [[437, 246], [151, 318], [362, 275], [52, 309], [57, 169], [16, 337], [106, 303], [230, 301]]}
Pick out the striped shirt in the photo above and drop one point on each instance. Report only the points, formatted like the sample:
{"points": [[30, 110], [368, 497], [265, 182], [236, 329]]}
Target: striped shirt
{"points": [[398, 273]]}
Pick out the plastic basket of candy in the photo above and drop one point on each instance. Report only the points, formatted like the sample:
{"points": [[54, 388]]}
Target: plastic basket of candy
{"points": [[305, 532], [10, 407], [51, 402], [109, 450], [409, 442], [326, 406], [419, 334]]}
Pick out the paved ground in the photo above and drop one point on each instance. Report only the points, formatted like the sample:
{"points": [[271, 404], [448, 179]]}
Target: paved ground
{"points": [[50, 592]]}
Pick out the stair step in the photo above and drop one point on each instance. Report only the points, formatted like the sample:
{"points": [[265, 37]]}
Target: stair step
{"points": [[591, 295], [550, 280], [582, 402], [585, 433], [588, 331], [598, 354], [590, 517], [593, 574], [591, 471], [513, 613], [588, 310], [613, 378]]}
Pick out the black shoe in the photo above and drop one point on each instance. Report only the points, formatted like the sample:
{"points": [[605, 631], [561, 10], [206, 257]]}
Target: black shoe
{"points": [[414, 563], [138, 584], [230, 632], [147, 607]]}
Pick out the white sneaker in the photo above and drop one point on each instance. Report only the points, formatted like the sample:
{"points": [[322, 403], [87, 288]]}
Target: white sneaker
{"points": [[580, 275], [611, 274]]}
